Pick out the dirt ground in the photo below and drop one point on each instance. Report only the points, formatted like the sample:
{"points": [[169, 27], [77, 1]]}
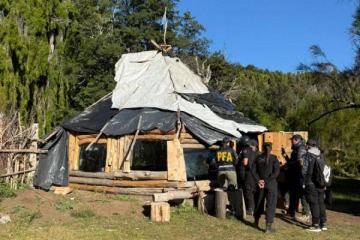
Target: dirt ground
{"points": [[50, 206]]}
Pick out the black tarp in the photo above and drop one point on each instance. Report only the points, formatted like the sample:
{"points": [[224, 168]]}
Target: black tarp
{"points": [[219, 105], [126, 121], [53, 167], [93, 119]]}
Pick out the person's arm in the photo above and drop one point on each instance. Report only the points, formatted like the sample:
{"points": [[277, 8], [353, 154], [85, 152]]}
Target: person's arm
{"points": [[246, 155], [275, 169], [254, 172], [235, 158], [305, 167], [283, 153]]}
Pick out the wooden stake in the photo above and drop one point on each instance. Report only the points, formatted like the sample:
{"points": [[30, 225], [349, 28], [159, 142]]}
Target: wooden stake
{"points": [[127, 162], [18, 173], [23, 151]]}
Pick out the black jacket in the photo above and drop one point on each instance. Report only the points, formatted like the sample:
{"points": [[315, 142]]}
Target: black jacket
{"points": [[267, 172], [226, 158]]}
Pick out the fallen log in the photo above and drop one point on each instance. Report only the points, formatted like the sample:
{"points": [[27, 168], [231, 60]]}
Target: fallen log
{"points": [[133, 175], [172, 195], [23, 151], [18, 173], [117, 190], [123, 183]]}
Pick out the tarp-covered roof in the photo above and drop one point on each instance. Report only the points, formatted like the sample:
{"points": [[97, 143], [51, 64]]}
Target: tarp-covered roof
{"points": [[154, 80]]}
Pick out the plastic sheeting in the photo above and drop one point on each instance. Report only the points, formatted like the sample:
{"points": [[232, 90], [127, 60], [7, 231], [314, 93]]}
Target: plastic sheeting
{"points": [[126, 121], [53, 167], [93, 119], [154, 80]]}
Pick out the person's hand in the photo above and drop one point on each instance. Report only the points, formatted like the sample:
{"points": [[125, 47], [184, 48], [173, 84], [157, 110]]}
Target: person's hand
{"points": [[303, 186], [261, 183]]}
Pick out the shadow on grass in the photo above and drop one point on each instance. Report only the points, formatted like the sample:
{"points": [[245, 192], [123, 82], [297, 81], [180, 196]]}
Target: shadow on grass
{"points": [[291, 220], [345, 196]]}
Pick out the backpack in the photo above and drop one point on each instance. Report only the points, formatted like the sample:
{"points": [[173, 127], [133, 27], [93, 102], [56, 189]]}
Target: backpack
{"points": [[321, 175]]}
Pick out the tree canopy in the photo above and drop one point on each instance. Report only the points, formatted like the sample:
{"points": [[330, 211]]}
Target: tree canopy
{"points": [[58, 57]]}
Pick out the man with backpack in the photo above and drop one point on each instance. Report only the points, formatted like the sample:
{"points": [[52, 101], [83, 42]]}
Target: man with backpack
{"points": [[314, 184]]}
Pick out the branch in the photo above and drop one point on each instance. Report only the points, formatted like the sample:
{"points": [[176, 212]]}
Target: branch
{"points": [[332, 111]]}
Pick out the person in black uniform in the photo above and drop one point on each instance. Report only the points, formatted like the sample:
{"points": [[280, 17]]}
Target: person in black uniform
{"points": [[249, 187], [293, 178], [265, 171], [226, 159], [240, 168]]}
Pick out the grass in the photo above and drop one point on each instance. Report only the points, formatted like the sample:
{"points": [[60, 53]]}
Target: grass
{"points": [[186, 223], [64, 204], [83, 213], [127, 198], [6, 191]]}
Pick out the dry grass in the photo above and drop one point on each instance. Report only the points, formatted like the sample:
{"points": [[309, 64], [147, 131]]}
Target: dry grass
{"points": [[186, 222]]}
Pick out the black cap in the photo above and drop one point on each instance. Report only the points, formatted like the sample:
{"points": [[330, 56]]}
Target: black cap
{"points": [[252, 142], [226, 140], [265, 144], [311, 142], [296, 136]]}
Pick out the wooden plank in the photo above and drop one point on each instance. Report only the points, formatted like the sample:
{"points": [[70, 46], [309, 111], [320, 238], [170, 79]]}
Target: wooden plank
{"points": [[122, 183], [142, 175], [116, 190], [23, 151], [109, 152], [186, 135], [86, 136], [102, 175], [164, 197], [153, 137], [189, 141], [175, 161], [260, 141], [76, 155], [121, 152], [158, 132], [71, 147], [90, 140], [160, 212], [198, 146]]}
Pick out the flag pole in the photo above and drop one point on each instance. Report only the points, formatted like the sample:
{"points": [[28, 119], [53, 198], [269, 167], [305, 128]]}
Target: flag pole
{"points": [[165, 26]]}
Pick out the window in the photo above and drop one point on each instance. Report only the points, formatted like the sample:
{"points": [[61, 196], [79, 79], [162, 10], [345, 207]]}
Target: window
{"points": [[94, 159], [197, 161], [149, 155]]}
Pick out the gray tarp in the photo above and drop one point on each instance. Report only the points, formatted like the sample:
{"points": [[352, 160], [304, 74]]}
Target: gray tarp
{"points": [[53, 167]]}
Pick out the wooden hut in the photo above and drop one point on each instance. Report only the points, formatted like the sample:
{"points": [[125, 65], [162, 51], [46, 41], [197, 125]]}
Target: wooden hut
{"points": [[151, 136]]}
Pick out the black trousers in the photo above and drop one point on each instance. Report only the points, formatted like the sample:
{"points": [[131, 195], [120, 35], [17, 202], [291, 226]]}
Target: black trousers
{"points": [[270, 194], [296, 192], [249, 192], [315, 197]]}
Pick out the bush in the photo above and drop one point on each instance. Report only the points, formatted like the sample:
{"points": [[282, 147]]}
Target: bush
{"points": [[6, 191]]}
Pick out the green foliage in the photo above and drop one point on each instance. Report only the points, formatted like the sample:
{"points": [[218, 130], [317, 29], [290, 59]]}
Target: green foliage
{"points": [[64, 204], [83, 213], [6, 191], [184, 211]]}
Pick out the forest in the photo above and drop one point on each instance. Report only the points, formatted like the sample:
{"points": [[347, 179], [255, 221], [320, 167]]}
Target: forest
{"points": [[57, 57]]}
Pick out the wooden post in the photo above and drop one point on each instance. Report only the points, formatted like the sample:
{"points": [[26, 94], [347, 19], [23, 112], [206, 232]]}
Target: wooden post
{"points": [[160, 211], [236, 199], [221, 200], [34, 145]]}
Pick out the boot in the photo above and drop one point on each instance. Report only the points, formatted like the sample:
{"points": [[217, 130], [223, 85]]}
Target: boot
{"points": [[256, 223], [269, 228]]}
